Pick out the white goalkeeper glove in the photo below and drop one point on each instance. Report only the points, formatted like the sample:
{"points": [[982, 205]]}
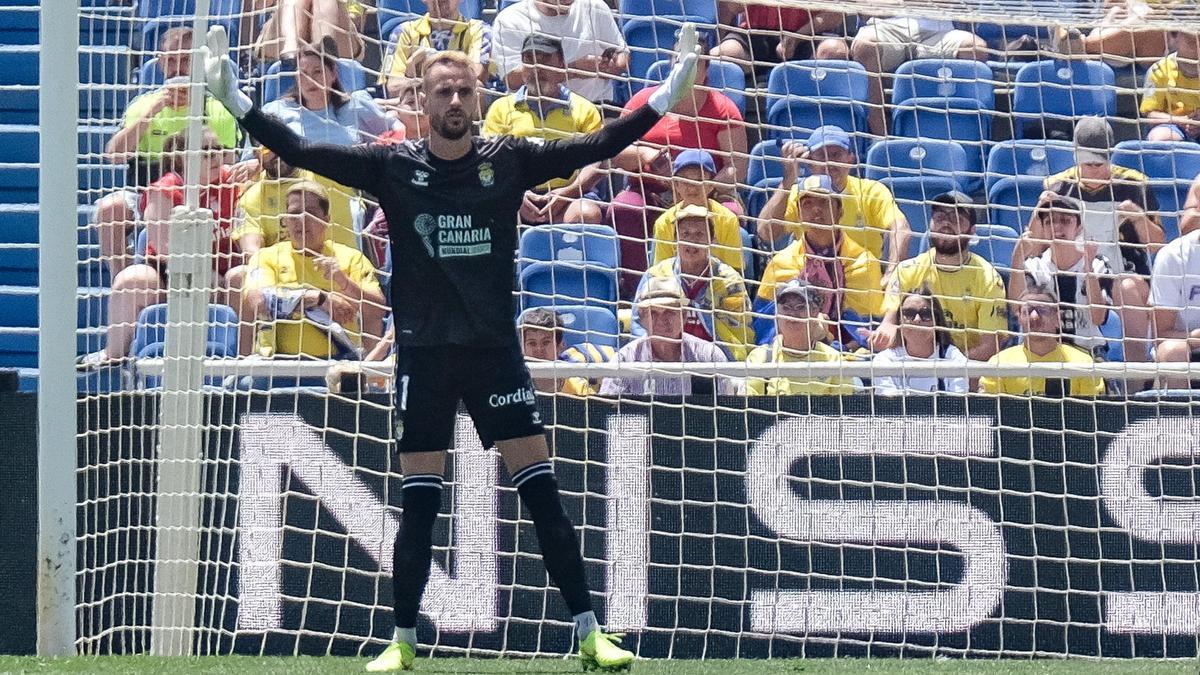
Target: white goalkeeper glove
{"points": [[221, 76], [682, 77]]}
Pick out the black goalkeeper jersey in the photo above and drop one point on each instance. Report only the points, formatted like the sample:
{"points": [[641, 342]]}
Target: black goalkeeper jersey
{"points": [[453, 224]]}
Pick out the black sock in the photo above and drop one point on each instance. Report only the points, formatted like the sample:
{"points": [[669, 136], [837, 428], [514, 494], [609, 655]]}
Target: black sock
{"points": [[556, 536], [421, 499]]}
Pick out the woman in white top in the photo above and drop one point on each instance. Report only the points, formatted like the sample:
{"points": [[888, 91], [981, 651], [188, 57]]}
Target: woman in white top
{"points": [[320, 110], [923, 337]]}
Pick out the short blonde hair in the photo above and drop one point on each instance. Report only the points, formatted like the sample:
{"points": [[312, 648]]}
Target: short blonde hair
{"points": [[447, 58]]}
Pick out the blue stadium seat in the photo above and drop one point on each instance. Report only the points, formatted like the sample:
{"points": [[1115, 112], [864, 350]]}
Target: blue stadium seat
{"points": [[592, 245], [803, 95], [765, 162], [19, 182], [945, 78], [153, 9], [950, 119], [913, 196], [581, 323], [225, 13], [19, 27], [650, 40], [1028, 157], [19, 310], [351, 75], [726, 78], [993, 243], [907, 157], [760, 194], [1171, 168], [998, 35], [1048, 95], [562, 283], [1011, 200], [704, 10], [150, 336]]}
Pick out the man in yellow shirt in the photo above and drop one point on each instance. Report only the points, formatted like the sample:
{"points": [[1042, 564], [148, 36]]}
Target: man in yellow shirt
{"points": [[802, 330], [692, 174], [313, 296], [970, 290], [828, 258], [264, 203], [1171, 101], [545, 108], [870, 215], [442, 28], [1039, 318]]}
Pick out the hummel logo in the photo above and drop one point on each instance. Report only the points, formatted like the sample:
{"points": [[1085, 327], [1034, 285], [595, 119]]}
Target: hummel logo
{"points": [[420, 178]]}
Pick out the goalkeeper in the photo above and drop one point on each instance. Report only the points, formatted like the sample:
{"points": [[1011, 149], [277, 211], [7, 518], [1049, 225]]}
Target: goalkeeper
{"points": [[451, 203]]}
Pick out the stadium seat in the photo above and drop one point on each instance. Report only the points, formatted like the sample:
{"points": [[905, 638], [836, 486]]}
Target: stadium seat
{"points": [[277, 82], [1171, 168], [723, 77], [1049, 95], [388, 9], [1011, 200], [1028, 157], [907, 157], [562, 283], [765, 162], [995, 244], [913, 196], [945, 78], [950, 119], [651, 40], [999, 35], [150, 335], [153, 9], [225, 13], [581, 323], [704, 10], [803, 95], [591, 245], [759, 195]]}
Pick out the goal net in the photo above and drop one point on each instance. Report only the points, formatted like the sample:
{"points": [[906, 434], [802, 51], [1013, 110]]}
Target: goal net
{"points": [[897, 366]]}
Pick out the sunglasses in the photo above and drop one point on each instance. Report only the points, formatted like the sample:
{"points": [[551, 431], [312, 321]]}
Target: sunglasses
{"points": [[917, 313]]}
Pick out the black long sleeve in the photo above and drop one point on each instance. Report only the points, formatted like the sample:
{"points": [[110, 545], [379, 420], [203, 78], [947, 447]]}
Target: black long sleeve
{"points": [[356, 166], [563, 158]]}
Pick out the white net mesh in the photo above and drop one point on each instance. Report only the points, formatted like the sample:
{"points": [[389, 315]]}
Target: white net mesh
{"points": [[811, 518]]}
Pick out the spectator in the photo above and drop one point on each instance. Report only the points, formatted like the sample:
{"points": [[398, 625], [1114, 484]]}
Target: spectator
{"points": [[1117, 203], [882, 44], [1175, 297], [770, 34], [1171, 100], [149, 121], [801, 333], [847, 275], [442, 28], [319, 109], [969, 289], [542, 340], [1189, 217], [1053, 253], [923, 337], [141, 285], [592, 43], [869, 212], [1039, 318], [312, 296], [1126, 33], [661, 307], [545, 108], [296, 23], [408, 106], [692, 175], [718, 305]]}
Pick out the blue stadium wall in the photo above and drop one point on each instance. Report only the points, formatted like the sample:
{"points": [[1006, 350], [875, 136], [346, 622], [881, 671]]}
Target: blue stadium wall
{"points": [[1062, 558]]}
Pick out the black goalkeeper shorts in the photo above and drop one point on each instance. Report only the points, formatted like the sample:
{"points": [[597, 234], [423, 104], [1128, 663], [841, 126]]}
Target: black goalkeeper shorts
{"points": [[492, 382]]}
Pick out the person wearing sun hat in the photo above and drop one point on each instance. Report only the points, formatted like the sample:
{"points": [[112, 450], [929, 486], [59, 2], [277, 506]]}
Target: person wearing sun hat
{"points": [[693, 173], [661, 307]]}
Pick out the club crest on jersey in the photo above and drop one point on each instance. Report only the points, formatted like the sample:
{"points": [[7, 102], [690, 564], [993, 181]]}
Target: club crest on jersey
{"points": [[420, 178], [487, 175]]}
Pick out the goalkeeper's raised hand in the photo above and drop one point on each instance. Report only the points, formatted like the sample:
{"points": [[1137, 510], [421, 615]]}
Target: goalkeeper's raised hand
{"points": [[221, 76], [682, 77]]}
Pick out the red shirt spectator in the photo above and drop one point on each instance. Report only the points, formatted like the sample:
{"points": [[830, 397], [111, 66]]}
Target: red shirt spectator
{"points": [[716, 115], [220, 198], [769, 17]]}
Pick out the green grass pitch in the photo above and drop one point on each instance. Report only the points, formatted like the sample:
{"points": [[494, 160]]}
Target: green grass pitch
{"points": [[248, 665]]}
